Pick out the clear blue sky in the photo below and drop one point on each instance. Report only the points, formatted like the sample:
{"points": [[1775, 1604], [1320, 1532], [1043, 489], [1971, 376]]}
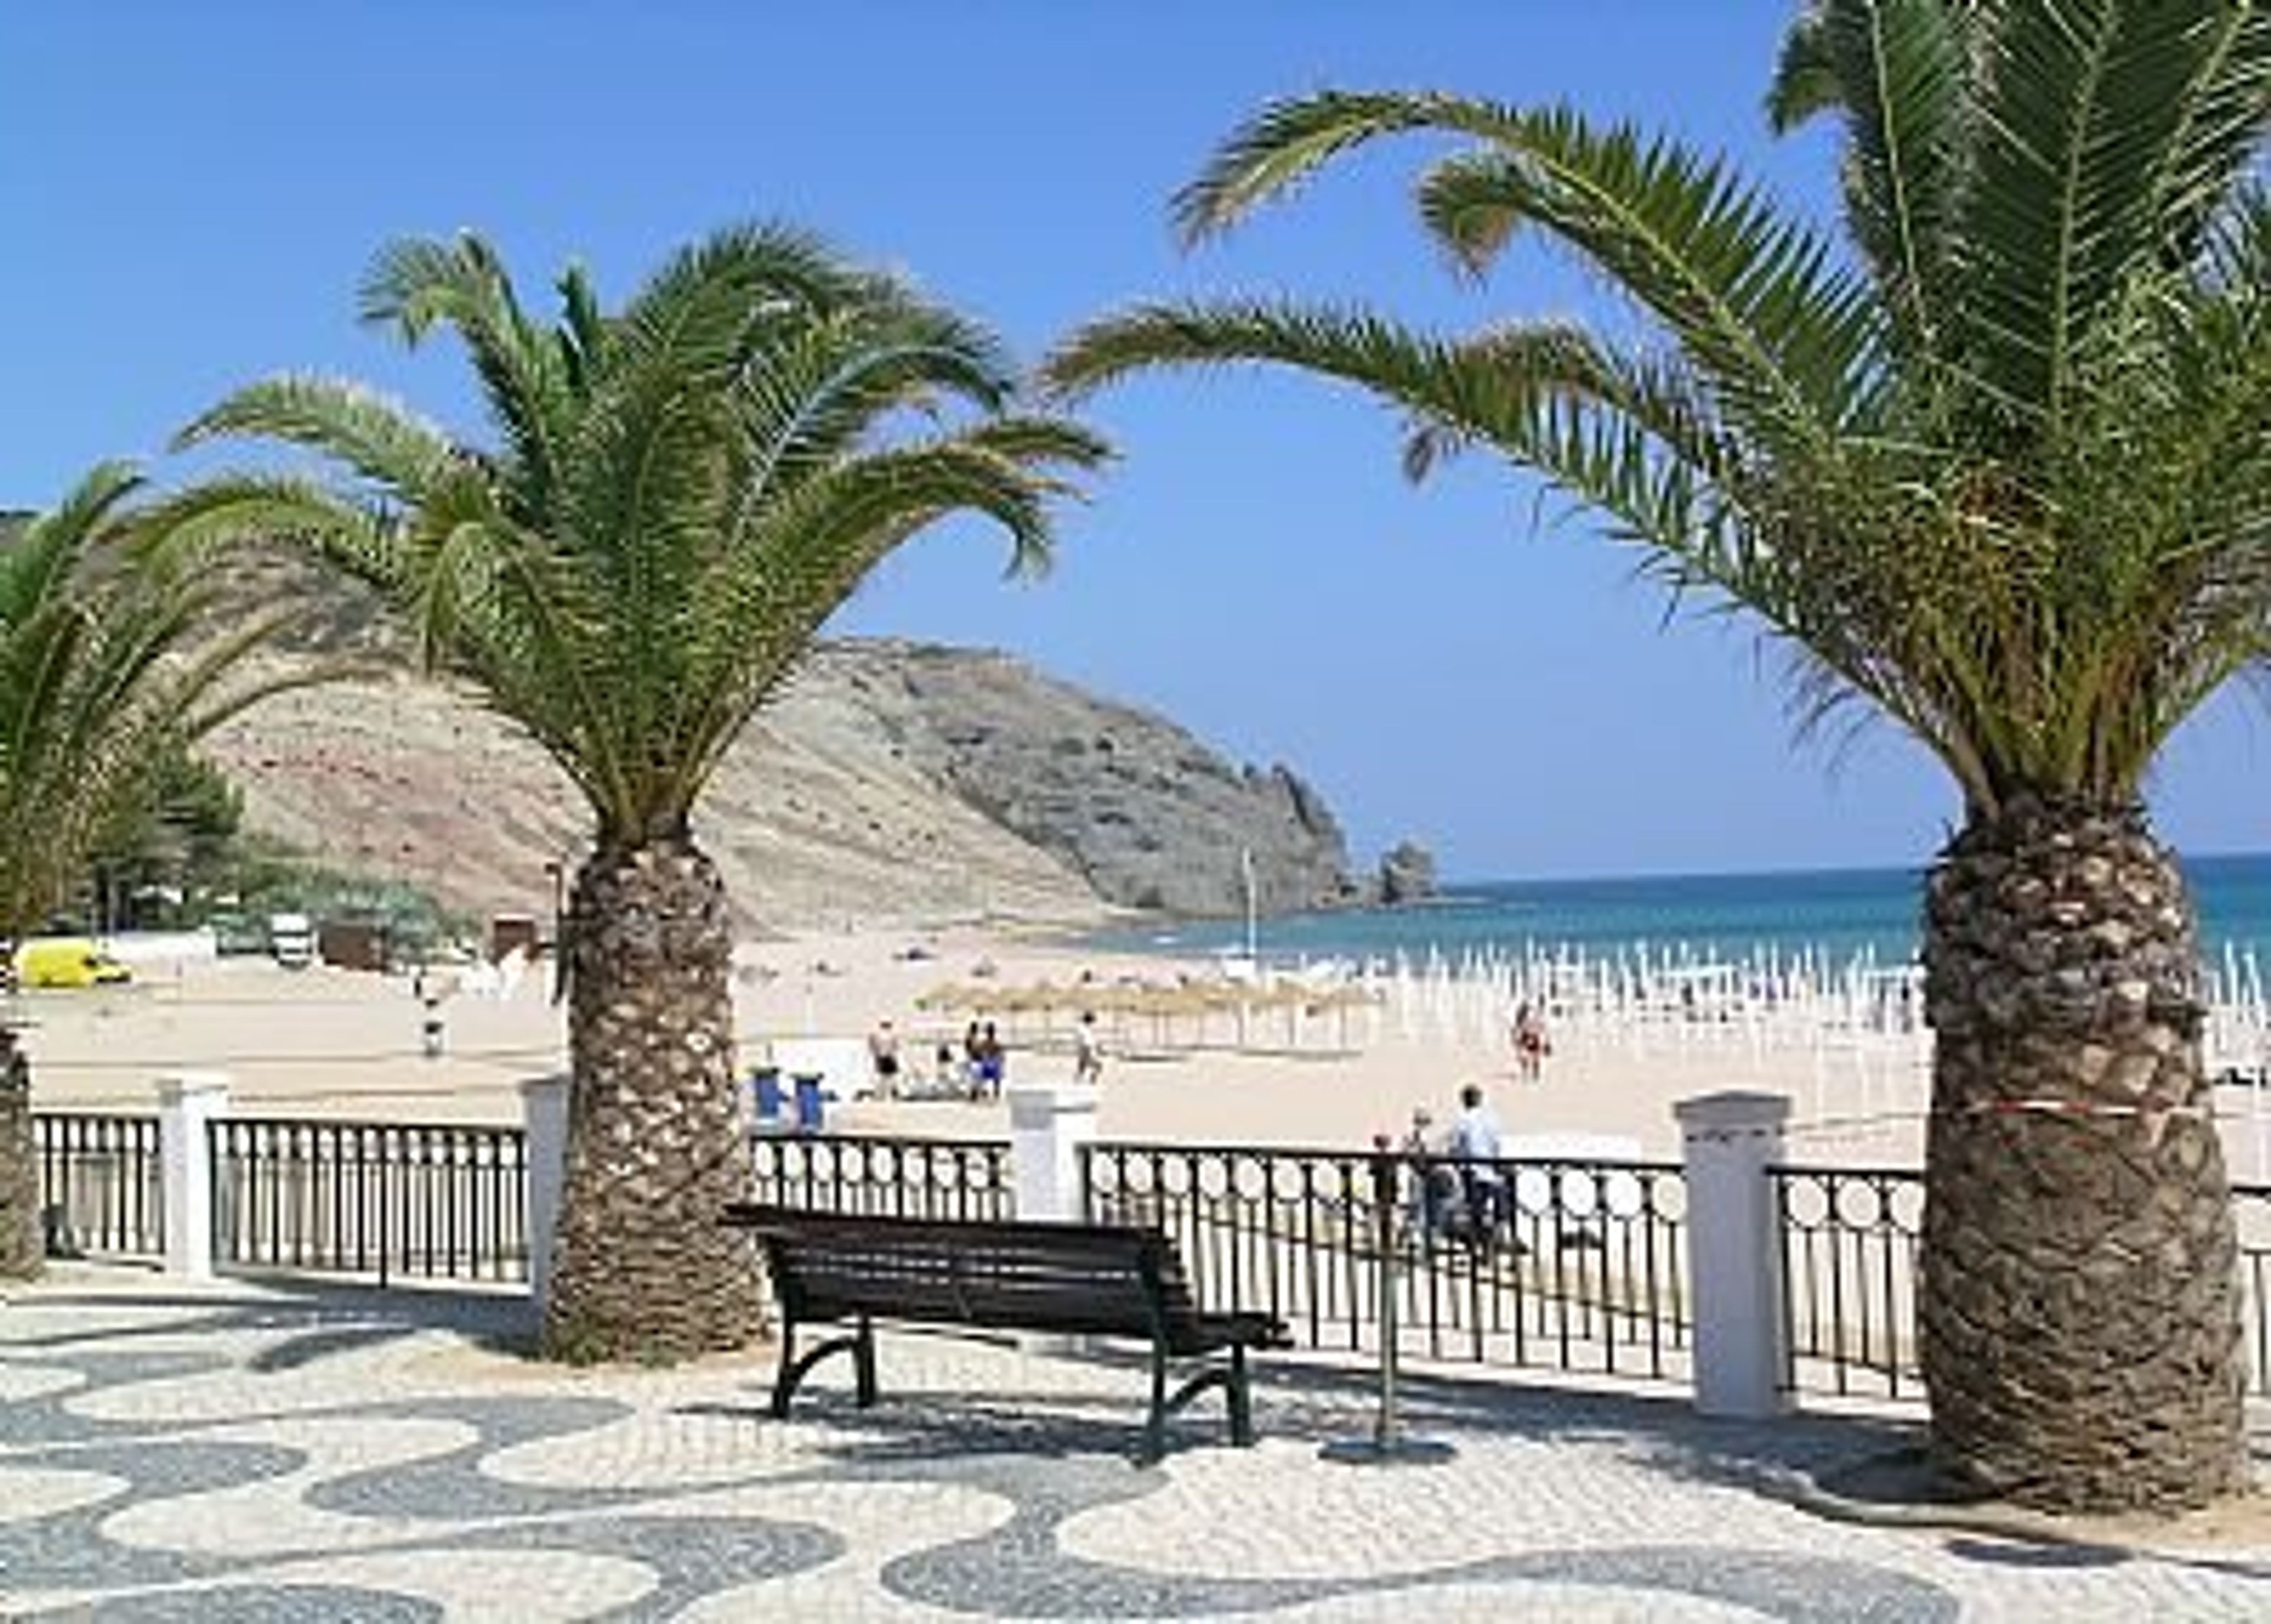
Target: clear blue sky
{"points": [[191, 191]]}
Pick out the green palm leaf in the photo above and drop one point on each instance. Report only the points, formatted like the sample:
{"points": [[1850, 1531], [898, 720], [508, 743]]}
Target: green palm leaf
{"points": [[2002, 478], [681, 493], [115, 649]]}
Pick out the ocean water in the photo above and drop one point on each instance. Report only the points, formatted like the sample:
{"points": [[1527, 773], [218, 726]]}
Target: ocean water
{"points": [[1836, 913]]}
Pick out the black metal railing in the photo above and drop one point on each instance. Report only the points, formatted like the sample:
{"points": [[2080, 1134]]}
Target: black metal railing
{"points": [[906, 1178], [440, 1201], [1849, 1239], [1851, 1246], [1572, 1265], [100, 1183]]}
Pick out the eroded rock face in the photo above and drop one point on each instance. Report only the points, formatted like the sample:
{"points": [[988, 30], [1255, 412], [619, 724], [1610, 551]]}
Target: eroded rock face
{"points": [[1149, 817], [887, 782], [2080, 1311]]}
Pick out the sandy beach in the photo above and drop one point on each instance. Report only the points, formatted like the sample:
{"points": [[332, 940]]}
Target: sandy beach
{"points": [[349, 1044]]}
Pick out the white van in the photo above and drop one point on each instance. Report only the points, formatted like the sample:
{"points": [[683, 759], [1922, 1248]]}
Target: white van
{"points": [[291, 938]]}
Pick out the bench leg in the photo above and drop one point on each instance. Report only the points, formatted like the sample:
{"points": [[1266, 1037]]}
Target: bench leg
{"points": [[1155, 1427], [793, 1371], [785, 1380], [1240, 1399], [863, 1364]]}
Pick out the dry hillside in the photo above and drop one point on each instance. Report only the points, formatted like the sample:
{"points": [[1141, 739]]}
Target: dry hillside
{"points": [[887, 782]]}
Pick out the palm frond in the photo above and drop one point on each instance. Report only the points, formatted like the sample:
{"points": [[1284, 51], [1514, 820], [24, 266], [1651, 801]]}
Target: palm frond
{"points": [[415, 282], [1806, 82], [685, 491], [2107, 132], [378, 439], [1755, 298], [109, 653], [1900, 73]]}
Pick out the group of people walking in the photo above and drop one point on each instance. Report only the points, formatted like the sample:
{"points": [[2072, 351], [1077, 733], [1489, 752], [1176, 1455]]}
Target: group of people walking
{"points": [[980, 1068], [1456, 1186], [977, 1072]]}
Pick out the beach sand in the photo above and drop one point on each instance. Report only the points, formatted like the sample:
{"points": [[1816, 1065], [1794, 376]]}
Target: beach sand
{"points": [[349, 1044], [346, 1044]]}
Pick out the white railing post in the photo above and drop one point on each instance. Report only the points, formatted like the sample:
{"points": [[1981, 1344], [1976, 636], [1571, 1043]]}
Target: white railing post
{"points": [[1047, 1127], [187, 1102], [544, 1114], [1734, 1252]]}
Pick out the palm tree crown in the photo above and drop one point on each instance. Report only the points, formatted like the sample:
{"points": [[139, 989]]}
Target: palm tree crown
{"points": [[1995, 464], [679, 493], [2000, 469], [676, 496], [111, 656]]}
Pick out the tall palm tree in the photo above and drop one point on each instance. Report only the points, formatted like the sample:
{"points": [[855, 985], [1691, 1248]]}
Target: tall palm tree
{"points": [[116, 649], [1996, 468], [679, 493]]}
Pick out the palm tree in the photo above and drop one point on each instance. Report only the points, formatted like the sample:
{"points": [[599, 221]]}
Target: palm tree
{"points": [[679, 495], [114, 653], [1996, 469]]}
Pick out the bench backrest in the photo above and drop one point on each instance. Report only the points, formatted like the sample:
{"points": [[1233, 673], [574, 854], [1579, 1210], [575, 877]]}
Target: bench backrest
{"points": [[1106, 1279]]}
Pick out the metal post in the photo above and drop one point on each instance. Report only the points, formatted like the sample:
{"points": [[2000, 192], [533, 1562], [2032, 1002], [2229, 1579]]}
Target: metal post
{"points": [[1388, 1445]]}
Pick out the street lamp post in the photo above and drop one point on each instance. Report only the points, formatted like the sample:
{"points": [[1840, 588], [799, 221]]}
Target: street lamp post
{"points": [[1388, 1444], [1253, 909]]}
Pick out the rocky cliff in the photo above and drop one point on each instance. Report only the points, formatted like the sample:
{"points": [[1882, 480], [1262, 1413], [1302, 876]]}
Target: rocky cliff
{"points": [[887, 782], [1147, 815]]}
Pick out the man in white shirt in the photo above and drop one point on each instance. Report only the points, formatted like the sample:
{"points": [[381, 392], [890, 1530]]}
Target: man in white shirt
{"points": [[1475, 1142]]}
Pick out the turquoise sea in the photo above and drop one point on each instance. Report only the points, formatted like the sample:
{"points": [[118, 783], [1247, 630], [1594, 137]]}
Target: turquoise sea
{"points": [[1837, 914]]}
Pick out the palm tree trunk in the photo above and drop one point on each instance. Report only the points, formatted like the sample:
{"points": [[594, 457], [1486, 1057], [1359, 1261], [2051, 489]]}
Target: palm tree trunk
{"points": [[2080, 1308], [22, 1236], [657, 1131]]}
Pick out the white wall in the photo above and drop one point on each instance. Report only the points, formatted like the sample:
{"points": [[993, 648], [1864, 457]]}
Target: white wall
{"points": [[842, 1063], [141, 947]]}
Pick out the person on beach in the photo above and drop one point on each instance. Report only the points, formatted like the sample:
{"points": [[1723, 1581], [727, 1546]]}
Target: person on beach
{"points": [[432, 1034], [973, 1069], [1087, 1051], [883, 1053], [1530, 1045], [1475, 1144], [943, 1070], [993, 1062]]}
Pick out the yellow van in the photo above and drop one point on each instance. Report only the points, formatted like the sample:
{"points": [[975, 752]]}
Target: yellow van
{"points": [[67, 961]]}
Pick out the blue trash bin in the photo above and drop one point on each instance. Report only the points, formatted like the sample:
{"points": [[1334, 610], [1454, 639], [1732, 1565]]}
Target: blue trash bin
{"points": [[772, 1108], [809, 1107]]}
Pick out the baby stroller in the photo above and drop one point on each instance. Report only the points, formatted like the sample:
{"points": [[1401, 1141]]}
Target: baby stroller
{"points": [[1463, 1205]]}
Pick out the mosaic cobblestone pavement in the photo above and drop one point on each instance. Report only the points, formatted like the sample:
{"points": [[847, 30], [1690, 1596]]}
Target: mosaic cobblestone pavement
{"points": [[267, 1453]]}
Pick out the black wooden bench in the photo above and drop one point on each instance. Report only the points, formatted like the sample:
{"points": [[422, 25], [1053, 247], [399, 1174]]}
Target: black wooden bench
{"points": [[1083, 1279]]}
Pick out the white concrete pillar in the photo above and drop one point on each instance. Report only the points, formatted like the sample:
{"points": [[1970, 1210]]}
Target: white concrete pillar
{"points": [[544, 1116], [187, 1102], [1047, 1127], [1734, 1252]]}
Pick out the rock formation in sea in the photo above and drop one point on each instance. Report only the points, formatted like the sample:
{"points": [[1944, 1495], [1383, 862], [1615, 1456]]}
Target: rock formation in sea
{"points": [[1407, 875]]}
